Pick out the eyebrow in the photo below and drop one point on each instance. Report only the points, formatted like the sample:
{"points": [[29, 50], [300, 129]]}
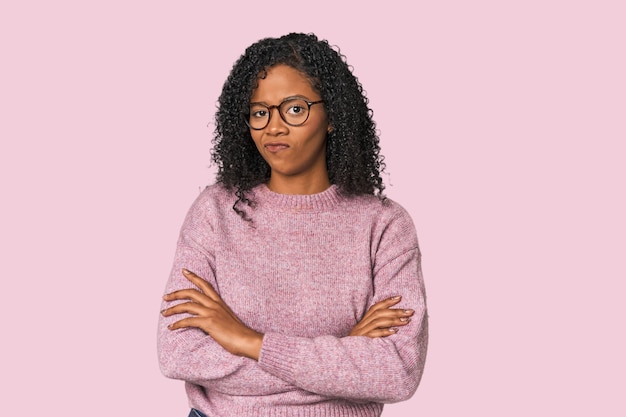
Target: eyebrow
{"points": [[301, 97]]}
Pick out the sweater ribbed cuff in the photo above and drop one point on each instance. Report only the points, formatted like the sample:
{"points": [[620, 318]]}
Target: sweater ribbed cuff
{"points": [[278, 356]]}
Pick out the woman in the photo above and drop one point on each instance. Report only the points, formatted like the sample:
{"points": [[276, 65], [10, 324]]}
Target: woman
{"points": [[296, 287]]}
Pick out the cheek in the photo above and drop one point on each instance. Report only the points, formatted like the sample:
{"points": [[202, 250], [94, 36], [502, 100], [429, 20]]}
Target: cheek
{"points": [[317, 136], [256, 138], [321, 128]]}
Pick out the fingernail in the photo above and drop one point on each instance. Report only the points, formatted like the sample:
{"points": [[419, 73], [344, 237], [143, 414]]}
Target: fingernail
{"points": [[186, 271], [408, 311], [163, 311], [397, 297], [394, 330], [405, 319]]}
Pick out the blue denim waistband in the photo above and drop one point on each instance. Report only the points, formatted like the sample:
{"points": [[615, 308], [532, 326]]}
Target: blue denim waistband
{"points": [[196, 413]]}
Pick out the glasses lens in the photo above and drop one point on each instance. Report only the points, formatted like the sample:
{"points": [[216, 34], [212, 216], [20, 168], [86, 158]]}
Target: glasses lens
{"points": [[294, 111], [259, 116]]}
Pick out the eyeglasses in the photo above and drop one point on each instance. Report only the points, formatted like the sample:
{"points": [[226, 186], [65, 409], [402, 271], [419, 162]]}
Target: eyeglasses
{"points": [[294, 111]]}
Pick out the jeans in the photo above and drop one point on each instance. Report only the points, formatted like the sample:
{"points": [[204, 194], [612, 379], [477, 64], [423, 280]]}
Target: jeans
{"points": [[196, 413]]}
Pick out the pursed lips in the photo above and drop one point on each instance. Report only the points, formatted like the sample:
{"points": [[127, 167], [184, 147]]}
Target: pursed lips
{"points": [[275, 146]]}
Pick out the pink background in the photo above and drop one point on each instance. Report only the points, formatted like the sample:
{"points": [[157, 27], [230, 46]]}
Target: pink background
{"points": [[503, 126]]}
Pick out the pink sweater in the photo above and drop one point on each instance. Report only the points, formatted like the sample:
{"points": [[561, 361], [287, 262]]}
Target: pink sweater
{"points": [[304, 275]]}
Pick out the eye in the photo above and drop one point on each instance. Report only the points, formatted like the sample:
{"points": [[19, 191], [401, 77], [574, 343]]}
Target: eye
{"points": [[296, 109], [258, 111]]}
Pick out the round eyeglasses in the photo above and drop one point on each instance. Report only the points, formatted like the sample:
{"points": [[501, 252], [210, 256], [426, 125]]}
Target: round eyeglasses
{"points": [[294, 111]]}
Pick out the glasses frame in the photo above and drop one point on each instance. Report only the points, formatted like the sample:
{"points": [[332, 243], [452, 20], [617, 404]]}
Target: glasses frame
{"points": [[278, 106]]}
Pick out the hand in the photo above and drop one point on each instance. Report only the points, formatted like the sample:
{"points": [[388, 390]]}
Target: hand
{"points": [[211, 314], [381, 320]]}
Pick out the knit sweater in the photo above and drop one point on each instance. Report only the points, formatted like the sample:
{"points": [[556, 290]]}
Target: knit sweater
{"points": [[303, 273]]}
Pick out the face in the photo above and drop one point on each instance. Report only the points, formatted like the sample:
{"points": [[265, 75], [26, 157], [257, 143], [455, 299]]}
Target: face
{"points": [[295, 154]]}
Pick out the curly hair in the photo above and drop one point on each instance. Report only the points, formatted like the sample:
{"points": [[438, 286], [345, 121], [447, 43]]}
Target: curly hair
{"points": [[353, 157]]}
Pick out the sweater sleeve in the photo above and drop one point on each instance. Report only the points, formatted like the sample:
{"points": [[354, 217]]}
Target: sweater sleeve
{"points": [[190, 354], [361, 368]]}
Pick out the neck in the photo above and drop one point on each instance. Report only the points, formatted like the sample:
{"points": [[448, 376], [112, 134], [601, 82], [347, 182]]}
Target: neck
{"points": [[302, 186]]}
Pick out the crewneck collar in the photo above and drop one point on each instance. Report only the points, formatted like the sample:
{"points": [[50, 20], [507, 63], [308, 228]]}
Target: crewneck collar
{"points": [[323, 201]]}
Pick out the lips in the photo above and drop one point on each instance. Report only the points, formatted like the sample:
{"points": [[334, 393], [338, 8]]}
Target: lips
{"points": [[275, 146]]}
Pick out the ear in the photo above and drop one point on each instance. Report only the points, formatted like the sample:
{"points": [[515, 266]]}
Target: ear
{"points": [[330, 129]]}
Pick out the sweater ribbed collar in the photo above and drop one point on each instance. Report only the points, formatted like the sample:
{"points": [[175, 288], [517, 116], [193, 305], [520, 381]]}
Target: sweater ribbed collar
{"points": [[323, 201]]}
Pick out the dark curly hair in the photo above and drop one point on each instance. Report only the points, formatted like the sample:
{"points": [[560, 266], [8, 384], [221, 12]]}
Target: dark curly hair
{"points": [[353, 157]]}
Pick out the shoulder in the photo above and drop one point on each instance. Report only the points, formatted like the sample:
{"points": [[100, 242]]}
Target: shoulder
{"points": [[213, 198], [381, 211], [390, 224], [215, 193], [212, 202]]}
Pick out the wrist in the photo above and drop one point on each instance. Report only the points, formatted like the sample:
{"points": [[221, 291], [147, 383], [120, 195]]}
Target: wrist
{"points": [[252, 346]]}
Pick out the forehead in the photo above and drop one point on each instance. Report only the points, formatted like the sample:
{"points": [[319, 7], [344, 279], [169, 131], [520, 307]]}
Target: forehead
{"points": [[280, 82]]}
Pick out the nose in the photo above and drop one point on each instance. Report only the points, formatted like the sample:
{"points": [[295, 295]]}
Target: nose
{"points": [[276, 124]]}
